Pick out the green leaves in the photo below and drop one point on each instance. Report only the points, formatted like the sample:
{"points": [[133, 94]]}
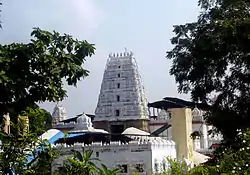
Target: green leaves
{"points": [[211, 57], [80, 163], [34, 72], [39, 119]]}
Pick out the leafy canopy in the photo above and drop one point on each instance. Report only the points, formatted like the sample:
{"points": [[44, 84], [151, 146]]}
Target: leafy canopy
{"points": [[34, 72], [211, 57], [39, 120], [84, 164]]}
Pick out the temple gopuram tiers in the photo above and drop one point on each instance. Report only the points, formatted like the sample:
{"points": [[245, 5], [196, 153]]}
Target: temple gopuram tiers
{"points": [[122, 102]]}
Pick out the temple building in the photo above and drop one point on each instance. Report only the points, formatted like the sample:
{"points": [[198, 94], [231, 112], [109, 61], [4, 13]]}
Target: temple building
{"points": [[161, 123], [135, 152], [59, 114], [128, 132], [122, 101]]}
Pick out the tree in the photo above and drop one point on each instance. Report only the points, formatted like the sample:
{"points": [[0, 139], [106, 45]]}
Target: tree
{"points": [[43, 158], [211, 57], [31, 73], [83, 164], [236, 162], [14, 151], [80, 163], [106, 171], [34, 72], [39, 119], [25, 154]]}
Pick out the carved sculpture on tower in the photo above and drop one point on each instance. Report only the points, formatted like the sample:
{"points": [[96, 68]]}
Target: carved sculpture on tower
{"points": [[122, 101], [59, 114]]}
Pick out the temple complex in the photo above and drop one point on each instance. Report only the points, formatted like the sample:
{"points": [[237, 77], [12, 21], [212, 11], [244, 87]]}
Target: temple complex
{"points": [[128, 132]]}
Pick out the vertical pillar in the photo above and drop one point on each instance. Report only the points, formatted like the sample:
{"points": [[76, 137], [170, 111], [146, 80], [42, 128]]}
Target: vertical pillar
{"points": [[204, 136], [6, 127], [181, 131]]}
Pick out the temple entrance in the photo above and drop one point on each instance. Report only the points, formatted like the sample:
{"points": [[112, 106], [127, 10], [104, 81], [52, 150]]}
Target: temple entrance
{"points": [[116, 129]]}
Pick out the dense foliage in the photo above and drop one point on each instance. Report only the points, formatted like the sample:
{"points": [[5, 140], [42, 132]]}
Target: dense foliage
{"points": [[232, 161], [34, 72], [211, 57], [14, 151], [31, 73], [84, 164], [229, 161], [39, 119]]}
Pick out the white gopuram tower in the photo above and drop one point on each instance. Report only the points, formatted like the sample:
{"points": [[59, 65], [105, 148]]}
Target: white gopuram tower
{"points": [[122, 102], [59, 114]]}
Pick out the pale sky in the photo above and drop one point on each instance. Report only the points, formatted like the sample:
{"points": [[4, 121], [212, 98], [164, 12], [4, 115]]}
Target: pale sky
{"points": [[142, 26]]}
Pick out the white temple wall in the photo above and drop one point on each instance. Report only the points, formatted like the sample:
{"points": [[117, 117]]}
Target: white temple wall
{"points": [[136, 154], [160, 153]]}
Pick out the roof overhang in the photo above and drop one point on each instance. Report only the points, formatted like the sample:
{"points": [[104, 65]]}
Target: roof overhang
{"points": [[171, 102]]}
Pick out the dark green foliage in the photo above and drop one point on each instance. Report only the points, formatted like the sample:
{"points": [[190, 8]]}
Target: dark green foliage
{"points": [[34, 72], [232, 161], [31, 73], [80, 163], [39, 120], [211, 57], [43, 163], [14, 149], [105, 171], [84, 164]]}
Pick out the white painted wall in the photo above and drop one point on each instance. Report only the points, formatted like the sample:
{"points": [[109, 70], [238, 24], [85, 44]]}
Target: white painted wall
{"points": [[136, 153], [160, 152]]}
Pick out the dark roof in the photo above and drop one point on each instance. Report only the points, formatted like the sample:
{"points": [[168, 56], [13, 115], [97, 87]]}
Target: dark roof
{"points": [[171, 102], [73, 119], [84, 137]]}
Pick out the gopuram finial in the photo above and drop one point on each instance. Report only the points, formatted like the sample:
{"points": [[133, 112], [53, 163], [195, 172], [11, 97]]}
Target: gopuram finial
{"points": [[125, 48]]}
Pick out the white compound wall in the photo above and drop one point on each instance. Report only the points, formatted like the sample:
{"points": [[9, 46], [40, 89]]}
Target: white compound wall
{"points": [[141, 156]]}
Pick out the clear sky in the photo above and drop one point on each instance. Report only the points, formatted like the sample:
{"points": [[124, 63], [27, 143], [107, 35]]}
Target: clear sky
{"points": [[142, 26]]}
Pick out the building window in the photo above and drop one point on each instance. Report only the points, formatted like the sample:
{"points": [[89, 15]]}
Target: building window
{"points": [[97, 154], [156, 167], [117, 98], [164, 165], [118, 75], [118, 85], [123, 168], [139, 168], [117, 112]]}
